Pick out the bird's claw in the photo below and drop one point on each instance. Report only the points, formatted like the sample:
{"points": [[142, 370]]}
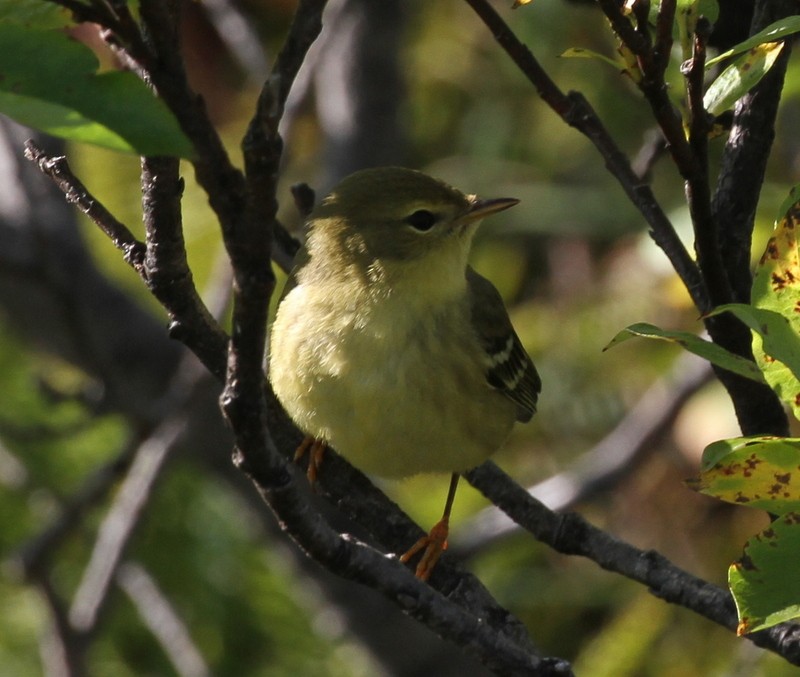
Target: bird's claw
{"points": [[316, 450], [434, 544]]}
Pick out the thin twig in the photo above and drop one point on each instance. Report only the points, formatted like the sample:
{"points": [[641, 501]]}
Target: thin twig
{"points": [[119, 523], [162, 620], [33, 556], [173, 287], [663, 43], [76, 193], [576, 112], [698, 189]]}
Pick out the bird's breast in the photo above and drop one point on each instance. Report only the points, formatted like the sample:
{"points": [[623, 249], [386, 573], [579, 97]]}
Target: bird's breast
{"points": [[396, 388]]}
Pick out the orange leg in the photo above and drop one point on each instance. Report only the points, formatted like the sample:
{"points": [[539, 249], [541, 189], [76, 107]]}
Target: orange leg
{"points": [[435, 543], [316, 450]]}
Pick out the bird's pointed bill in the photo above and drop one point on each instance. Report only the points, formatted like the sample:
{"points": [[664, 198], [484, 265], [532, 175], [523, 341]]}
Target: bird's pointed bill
{"points": [[482, 208]]}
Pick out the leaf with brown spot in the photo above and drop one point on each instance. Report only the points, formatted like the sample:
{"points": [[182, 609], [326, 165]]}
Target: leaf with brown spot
{"points": [[754, 471], [740, 77], [764, 581], [774, 315]]}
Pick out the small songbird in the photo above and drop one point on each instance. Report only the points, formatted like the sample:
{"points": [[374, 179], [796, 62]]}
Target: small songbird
{"points": [[389, 347]]}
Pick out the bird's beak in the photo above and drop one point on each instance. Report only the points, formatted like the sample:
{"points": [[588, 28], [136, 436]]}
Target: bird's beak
{"points": [[481, 208]]}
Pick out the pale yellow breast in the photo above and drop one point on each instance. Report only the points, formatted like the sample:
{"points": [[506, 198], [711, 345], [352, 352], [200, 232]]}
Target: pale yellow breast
{"points": [[394, 395]]}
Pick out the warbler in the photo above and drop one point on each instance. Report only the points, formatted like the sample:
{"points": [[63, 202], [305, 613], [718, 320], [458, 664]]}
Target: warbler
{"points": [[388, 346]]}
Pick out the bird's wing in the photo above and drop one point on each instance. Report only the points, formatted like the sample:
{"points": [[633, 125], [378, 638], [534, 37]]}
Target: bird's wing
{"points": [[509, 369]]}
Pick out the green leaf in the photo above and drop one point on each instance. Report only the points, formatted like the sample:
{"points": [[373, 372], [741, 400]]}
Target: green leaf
{"points": [[581, 53], [626, 64], [50, 82], [776, 347], [764, 582], [775, 31], [694, 344], [787, 209], [757, 472], [34, 14], [60, 121], [740, 77], [774, 316], [687, 12]]}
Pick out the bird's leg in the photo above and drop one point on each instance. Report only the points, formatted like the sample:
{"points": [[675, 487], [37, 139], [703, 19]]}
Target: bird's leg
{"points": [[435, 543], [316, 450]]}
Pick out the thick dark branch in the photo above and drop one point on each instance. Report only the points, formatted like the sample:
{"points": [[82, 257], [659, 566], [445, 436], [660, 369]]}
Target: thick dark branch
{"points": [[576, 111], [698, 189], [571, 534], [351, 559], [745, 158], [161, 59], [734, 205], [249, 246], [166, 269]]}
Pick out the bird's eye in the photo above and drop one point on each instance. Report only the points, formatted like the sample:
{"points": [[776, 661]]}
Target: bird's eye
{"points": [[422, 220]]}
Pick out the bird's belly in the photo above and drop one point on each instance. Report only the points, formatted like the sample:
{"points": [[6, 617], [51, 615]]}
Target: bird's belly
{"points": [[395, 413]]}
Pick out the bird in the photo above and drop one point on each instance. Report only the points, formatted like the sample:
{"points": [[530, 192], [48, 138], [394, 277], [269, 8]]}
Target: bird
{"points": [[388, 347]]}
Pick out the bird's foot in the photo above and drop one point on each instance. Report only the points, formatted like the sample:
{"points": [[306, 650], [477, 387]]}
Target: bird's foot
{"points": [[316, 450], [434, 544]]}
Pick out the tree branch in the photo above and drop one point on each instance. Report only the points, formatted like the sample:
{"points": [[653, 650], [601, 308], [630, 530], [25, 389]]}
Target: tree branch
{"points": [[357, 561], [76, 193], [747, 150], [606, 463], [571, 534], [161, 262], [576, 112], [166, 269]]}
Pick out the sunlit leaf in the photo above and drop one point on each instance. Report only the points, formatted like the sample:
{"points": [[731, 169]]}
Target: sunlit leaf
{"points": [[775, 31], [626, 64], [50, 82], [520, 3], [581, 53], [694, 344], [740, 77], [757, 472], [776, 346], [774, 316], [765, 582]]}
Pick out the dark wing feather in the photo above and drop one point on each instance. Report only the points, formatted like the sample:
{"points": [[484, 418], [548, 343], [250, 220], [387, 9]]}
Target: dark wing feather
{"points": [[509, 369]]}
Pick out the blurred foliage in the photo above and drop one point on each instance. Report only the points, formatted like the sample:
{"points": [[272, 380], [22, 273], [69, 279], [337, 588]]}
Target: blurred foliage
{"points": [[576, 265]]}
